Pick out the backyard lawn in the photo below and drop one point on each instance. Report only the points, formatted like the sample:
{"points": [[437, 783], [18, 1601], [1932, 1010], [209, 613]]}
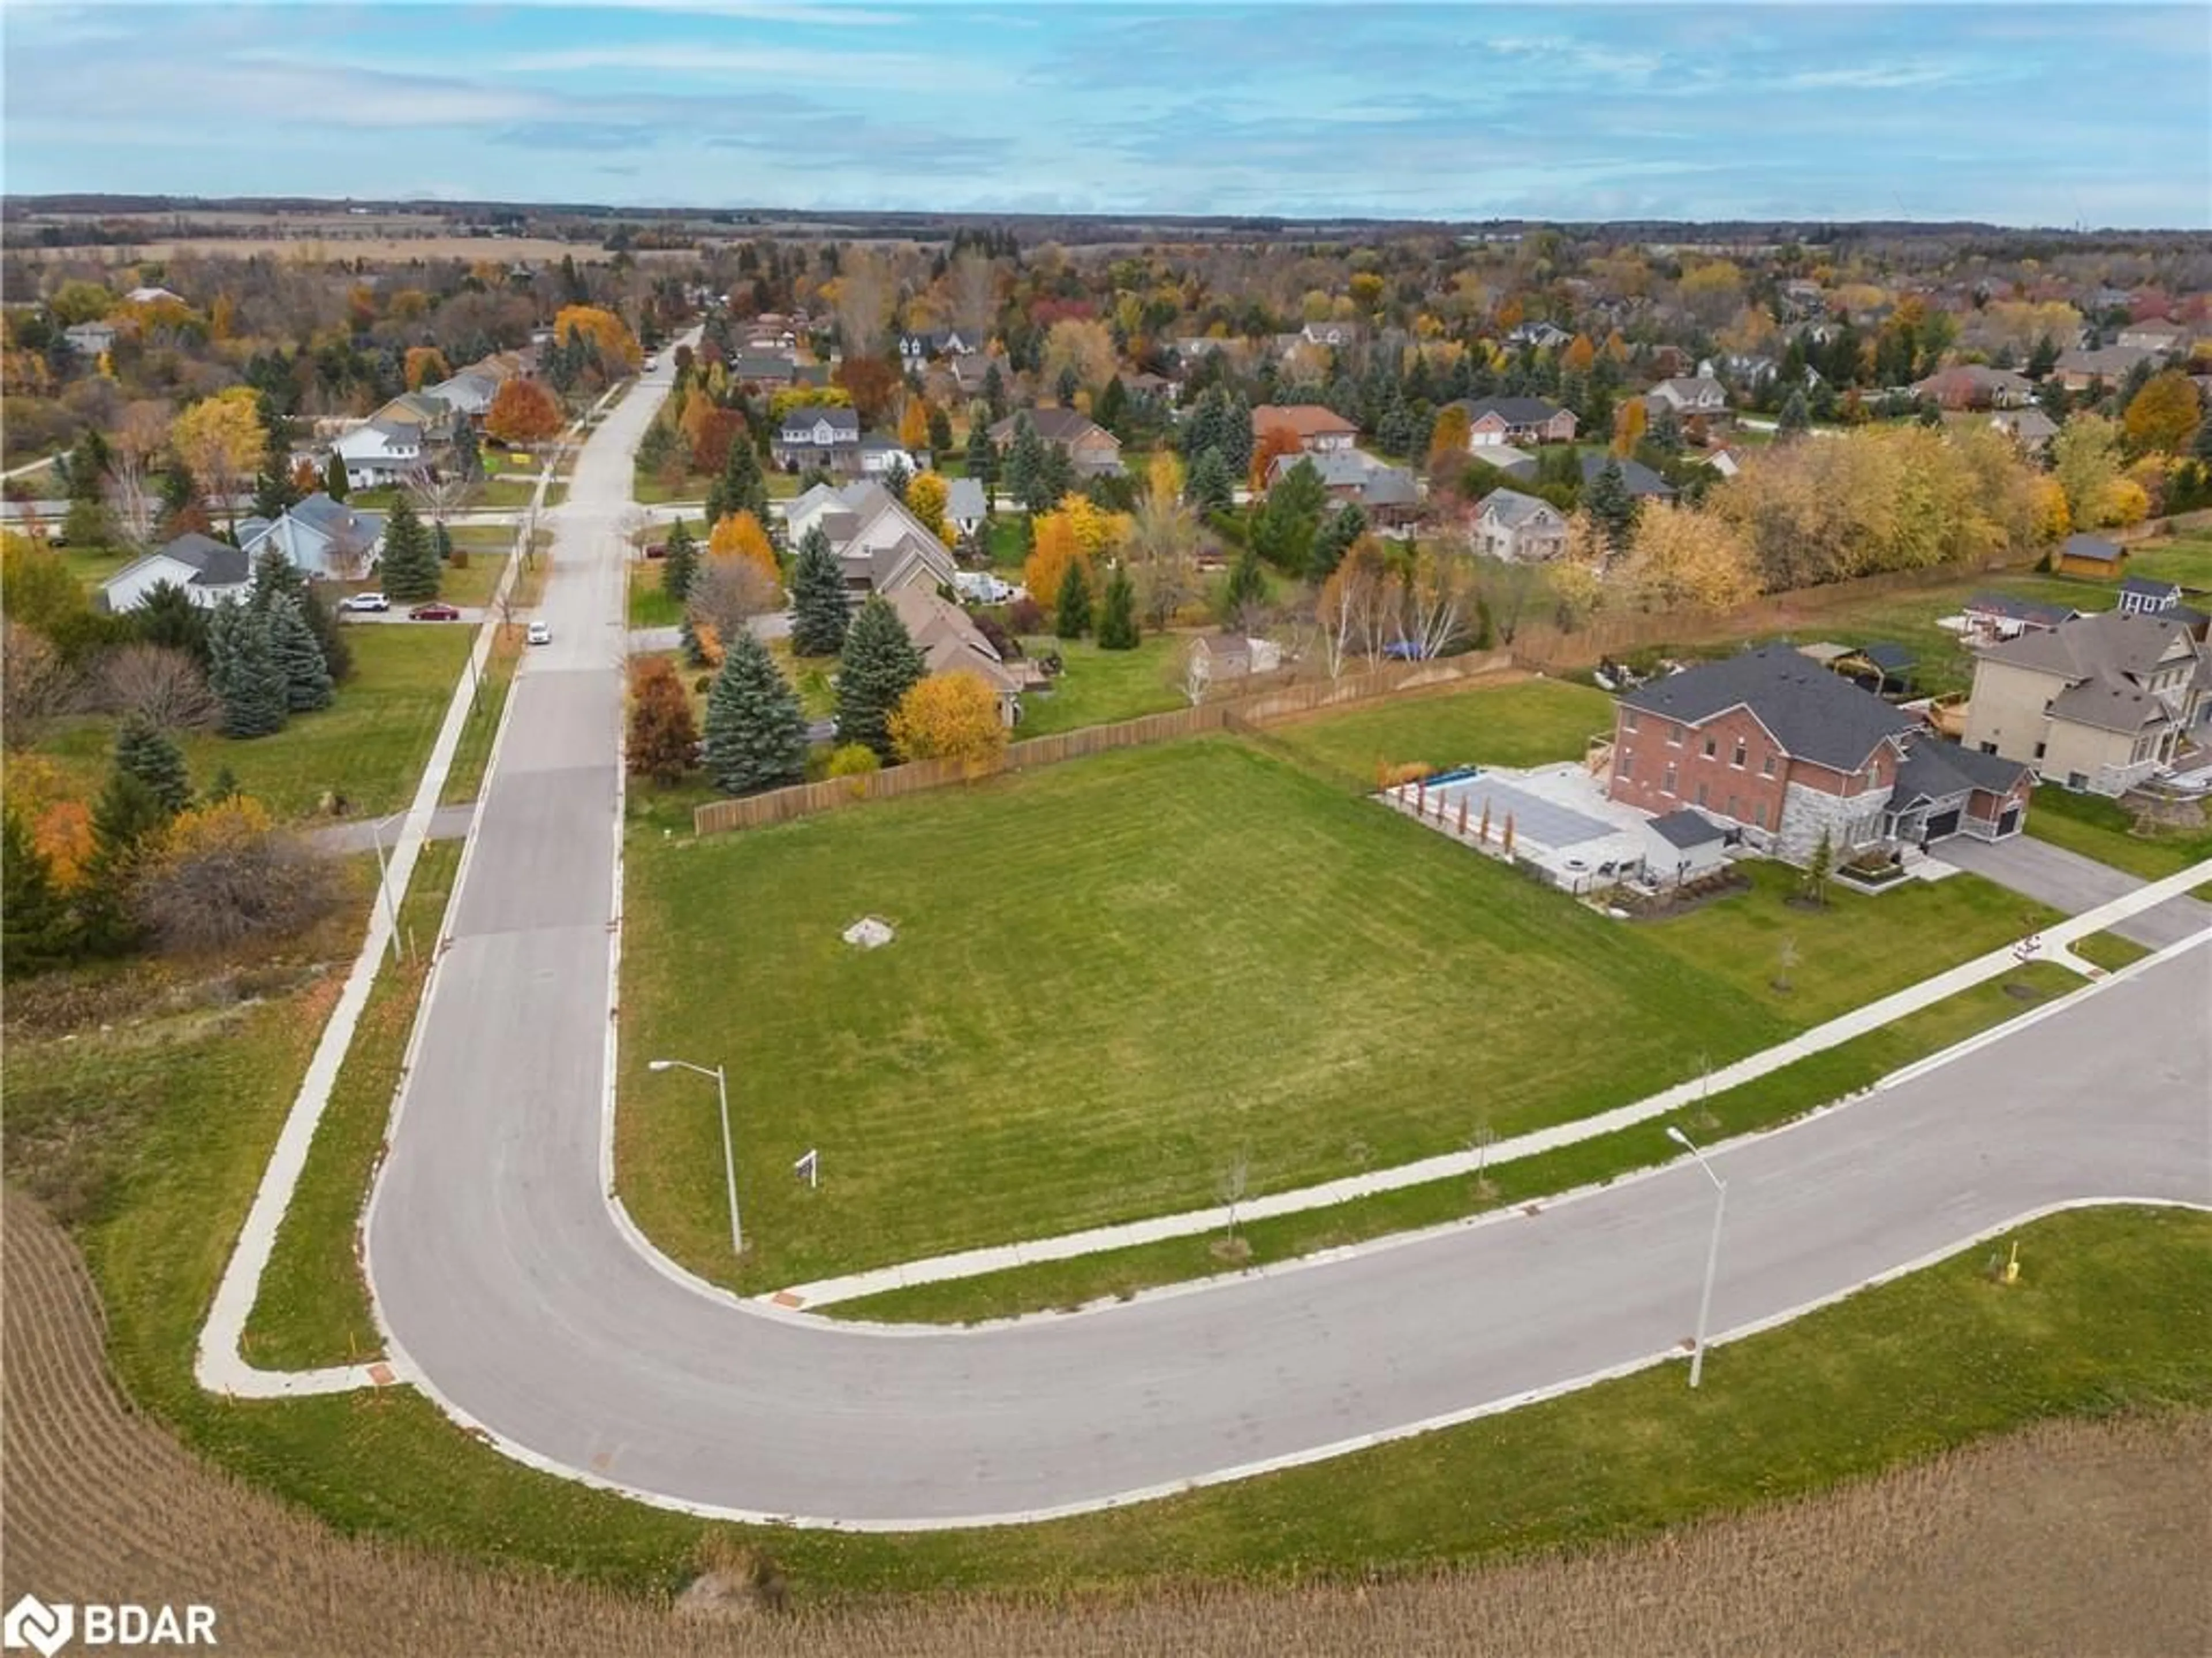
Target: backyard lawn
{"points": [[2105, 830], [1100, 687], [2186, 558], [1528, 724], [1114, 978], [371, 743]]}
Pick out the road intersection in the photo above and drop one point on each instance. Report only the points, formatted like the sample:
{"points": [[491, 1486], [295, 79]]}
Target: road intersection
{"points": [[513, 1290]]}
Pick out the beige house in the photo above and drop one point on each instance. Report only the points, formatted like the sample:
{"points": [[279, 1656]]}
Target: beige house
{"points": [[951, 643], [2098, 703]]}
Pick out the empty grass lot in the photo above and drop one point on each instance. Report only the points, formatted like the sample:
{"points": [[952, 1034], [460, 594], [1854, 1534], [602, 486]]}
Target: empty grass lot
{"points": [[370, 743], [2105, 830], [1113, 977], [651, 605], [1101, 687], [1530, 723], [2186, 558]]}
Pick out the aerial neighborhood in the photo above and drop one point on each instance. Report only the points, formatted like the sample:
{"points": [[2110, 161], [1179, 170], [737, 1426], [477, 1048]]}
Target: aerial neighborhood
{"points": [[676, 777]]}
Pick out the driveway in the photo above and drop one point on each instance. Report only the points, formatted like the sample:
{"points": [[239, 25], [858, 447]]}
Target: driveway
{"points": [[2067, 881]]}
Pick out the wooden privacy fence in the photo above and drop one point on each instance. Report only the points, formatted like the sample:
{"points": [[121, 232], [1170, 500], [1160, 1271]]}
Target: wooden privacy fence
{"points": [[1282, 702]]}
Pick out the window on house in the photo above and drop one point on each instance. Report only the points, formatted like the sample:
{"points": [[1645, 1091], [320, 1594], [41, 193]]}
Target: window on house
{"points": [[1759, 814], [1712, 748], [1674, 735], [1667, 783], [1740, 751], [1701, 794], [1626, 764], [1628, 719], [1991, 747], [1766, 766], [1734, 811]]}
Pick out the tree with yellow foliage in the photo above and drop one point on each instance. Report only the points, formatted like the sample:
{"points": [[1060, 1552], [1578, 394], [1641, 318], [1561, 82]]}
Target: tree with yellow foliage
{"points": [[1629, 419], [1078, 532], [739, 535], [924, 499], [1448, 440], [1275, 442], [1579, 355], [1083, 345], [425, 363], [913, 425], [2053, 523], [1681, 558], [221, 440], [619, 346], [2163, 417], [949, 716]]}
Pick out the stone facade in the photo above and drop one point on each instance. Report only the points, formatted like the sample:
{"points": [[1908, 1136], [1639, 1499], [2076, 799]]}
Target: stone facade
{"points": [[1851, 822]]}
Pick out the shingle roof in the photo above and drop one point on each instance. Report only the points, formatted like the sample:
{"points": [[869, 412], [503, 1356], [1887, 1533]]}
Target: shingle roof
{"points": [[1308, 420], [844, 422], [334, 518], [2019, 609], [216, 563], [1685, 828], [1390, 486], [2150, 587], [1513, 509], [2095, 547], [1339, 469], [1054, 425], [2106, 642], [1934, 769], [963, 499], [1514, 412], [1641, 480], [1814, 714]]}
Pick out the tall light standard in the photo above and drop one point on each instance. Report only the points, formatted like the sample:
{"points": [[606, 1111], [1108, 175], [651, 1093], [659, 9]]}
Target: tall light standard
{"points": [[1712, 1252], [383, 883], [729, 1154]]}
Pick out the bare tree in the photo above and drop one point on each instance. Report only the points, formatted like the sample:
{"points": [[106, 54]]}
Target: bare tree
{"points": [[1232, 1184], [863, 299], [1197, 673], [974, 285], [440, 495], [348, 555], [131, 449], [242, 883], [1509, 587], [160, 684], [1434, 600], [729, 593], [36, 686]]}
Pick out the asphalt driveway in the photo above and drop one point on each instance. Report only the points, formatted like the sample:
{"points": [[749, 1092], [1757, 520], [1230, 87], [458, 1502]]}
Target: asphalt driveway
{"points": [[2067, 881]]}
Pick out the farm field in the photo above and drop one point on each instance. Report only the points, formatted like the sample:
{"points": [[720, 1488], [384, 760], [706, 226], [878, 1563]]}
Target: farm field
{"points": [[1171, 959]]}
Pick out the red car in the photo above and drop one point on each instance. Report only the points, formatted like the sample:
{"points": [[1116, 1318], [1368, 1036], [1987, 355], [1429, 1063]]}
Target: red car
{"points": [[436, 610]]}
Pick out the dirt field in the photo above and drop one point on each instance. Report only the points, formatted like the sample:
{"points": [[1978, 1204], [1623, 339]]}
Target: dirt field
{"points": [[2074, 1539]]}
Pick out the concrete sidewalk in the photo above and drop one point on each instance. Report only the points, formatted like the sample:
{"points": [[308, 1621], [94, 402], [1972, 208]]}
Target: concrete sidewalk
{"points": [[975, 1263]]}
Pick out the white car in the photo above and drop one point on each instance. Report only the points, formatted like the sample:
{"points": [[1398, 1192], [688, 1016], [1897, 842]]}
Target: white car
{"points": [[540, 633], [981, 588], [364, 602]]}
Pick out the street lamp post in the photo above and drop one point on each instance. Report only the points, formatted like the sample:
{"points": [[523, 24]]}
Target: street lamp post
{"points": [[383, 883], [729, 1154], [1713, 1251]]}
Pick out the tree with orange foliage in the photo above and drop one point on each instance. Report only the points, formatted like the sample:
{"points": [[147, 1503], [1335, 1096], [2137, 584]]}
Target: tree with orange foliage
{"points": [[1078, 532], [1448, 440], [1580, 355], [739, 535], [523, 411], [1629, 419], [1274, 442], [913, 425], [949, 716], [425, 363], [618, 346], [871, 382]]}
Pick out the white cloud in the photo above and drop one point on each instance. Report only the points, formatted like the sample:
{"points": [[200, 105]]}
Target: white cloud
{"points": [[913, 71], [1873, 77]]}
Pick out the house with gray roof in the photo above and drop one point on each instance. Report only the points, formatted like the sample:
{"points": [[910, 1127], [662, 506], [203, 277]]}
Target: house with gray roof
{"points": [[881, 547], [966, 509], [2099, 703], [815, 435], [322, 538], [1520, 528], [1493, 422], [1643, 484], [1770, 741], [210, 571]]}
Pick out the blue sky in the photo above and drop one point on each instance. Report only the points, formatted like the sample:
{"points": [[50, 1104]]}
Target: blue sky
{"points": [[2016, 114]]}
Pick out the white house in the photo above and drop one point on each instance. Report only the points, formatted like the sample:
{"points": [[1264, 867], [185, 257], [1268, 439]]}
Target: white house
{"points": [[210, 571], [882, 547], [1683, 845], [1519, 528], [324, 539], [378, 452], [1696, 396], [818, 435], [90, 340]]}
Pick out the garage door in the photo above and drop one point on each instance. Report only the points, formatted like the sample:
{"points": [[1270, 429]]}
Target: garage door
{"points": [[2009, 821], [1943, 823]]}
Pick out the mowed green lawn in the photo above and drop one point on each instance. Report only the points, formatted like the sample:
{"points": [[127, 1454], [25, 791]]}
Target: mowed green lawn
{"points": [[1532, 723], [370, 744], [1114, 978], [2186, 558], [1098, 688]]}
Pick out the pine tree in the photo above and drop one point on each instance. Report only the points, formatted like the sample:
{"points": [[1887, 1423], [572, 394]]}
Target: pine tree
{"points": [[740, 489], [819, 614], [679, 563], [334, 476], [940, 432], [1024, 455], [151, 755], [983, 459], [34, 921], [1795, 418], [1247, 586], [242, 670], [276, 577], [167, 616], [1334, 539], [127, 812], [441, 544], [1070, 606], [468, 463], [273, 493], [410, 562], [879, 665], [299, 658], [1609, 502], [224, 787], [1117, 619], [756, 730], [1209, 487]]}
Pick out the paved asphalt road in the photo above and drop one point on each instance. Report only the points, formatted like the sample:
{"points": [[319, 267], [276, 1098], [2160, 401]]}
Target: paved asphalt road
{"points": [[511, 1293], [2067, 881]]}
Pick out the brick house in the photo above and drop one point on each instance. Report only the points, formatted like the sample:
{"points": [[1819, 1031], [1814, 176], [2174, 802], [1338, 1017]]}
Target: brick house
{"points": [[1093, 451], [1491, 421], [1778, 747], [1319, 430]]}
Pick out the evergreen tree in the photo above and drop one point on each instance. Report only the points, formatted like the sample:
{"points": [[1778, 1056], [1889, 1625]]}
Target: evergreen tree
{"points": [[34, 921], [1117, 619], [127, 812], [441, 544], [1247, 586], [243, 671], [1399, 429], [1609, 502], [688, 639], [995, 393], [1334, 539], [273, 493], [1665, 433], [410, 562], [468, 462], [224, 787], [276, 577], [1796, 418], [1209, 487], [167, 616], [1051, 480], [1067, 385], [1070, 606], [897, 478], [151, 755], [940, 432], [983, 459], [299, 658], [819, 614], [740, 489], [878, 667], [334, 476], [679, 563], [1025, 457], [755, 729]]}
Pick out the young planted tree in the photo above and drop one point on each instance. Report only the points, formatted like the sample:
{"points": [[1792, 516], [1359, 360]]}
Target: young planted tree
{"points": [[1071, 605], [755, 729], [1822, 867], [334, 476], [151, 755], [411, 561], [663, 737], [1117, 618], [878, 667], [298, 657], [819, 614]]}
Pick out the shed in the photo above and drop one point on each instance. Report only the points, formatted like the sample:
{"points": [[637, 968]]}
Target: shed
{"points": [[1683, 845]]}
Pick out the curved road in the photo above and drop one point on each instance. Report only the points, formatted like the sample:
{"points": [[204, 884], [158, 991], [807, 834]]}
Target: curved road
{"points": [[511, 1292]]}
